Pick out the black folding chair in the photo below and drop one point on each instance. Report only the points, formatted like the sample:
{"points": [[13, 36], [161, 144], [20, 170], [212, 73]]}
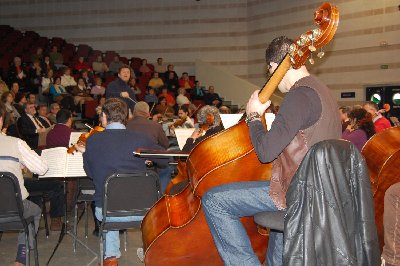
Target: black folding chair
{"points": [[12, 212], [125, 195]]}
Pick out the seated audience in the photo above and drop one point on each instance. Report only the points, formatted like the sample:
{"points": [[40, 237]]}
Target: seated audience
{"points": [[380, 122], [81, 93], [30, 127], [144, 69], [115, 65], [35, 77], [135, 88], [3, 87], [20, 101], [16, 156], [7, 99], [151, 98], [56, 57], [68, 81], [38, 55], [344, 116], [160, 67], [172, 83], [185, 82], [43, 112], [87, 78], [98, 90], [170, 99], [170, 68], [31, 98], [61, 96], [156, 82], [14, 88], [209, 122], [181, 99], [47, 64], [48, 81], [18, 73], [360, 129], [198, 91], [212, 98], [81, 65], [99, 67], [54, 108]]}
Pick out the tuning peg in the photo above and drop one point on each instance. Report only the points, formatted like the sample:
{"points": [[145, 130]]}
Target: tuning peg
{"points": [[311, 60], [312, 48], [300, 53], [321, 54]]}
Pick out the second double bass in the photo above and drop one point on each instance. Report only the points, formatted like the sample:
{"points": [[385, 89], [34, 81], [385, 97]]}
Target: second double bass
{"points": [[174, 230]]}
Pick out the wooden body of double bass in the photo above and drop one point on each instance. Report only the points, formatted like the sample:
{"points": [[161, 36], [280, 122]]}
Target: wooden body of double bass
{"points": [[382, 154], [175, 231]]}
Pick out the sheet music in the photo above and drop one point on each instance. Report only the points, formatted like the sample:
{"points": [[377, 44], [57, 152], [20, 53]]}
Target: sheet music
{"points": [[56, 160], [229, 120], [74, 166], [182, 134], [74, 137]]}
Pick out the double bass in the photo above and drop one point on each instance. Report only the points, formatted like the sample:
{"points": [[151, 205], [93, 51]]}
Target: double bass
{"points": [[174, 231]]}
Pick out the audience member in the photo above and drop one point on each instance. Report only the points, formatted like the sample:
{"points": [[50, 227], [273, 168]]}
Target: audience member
{"points": [[60, 95], [151, 98], [160, 67], [164, 109], [38, 55], [172, 83], [212, 98], [185, 82], [144, 69], [224, 110], [134, 87], [81, 65], [30, 127], [35, 76], [170, 68], [54, 108], [344, 116], [68, 81], [31, 98], [18, 73], [7, 99], [360, 129], [181, 99], [43, 112], [47, 64], [198, 91], [81, 93], [87, 78], [48, 81], [380, 122], [99, 67], [20, 101], [164, 93], [98, 90], [115, 65], [156, 82], [16, 155], [3, 87], [14, 88], [56, 57]]}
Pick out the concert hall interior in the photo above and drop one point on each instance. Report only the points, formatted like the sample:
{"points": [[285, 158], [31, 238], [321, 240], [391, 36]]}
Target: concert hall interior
{"points": [[269, 126]]}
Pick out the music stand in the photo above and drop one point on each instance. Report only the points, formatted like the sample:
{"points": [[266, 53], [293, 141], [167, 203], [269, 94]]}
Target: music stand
{"points": [[64, 230]]}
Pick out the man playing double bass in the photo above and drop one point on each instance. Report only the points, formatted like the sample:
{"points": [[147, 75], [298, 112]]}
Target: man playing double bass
{"points": [[307, 115]]}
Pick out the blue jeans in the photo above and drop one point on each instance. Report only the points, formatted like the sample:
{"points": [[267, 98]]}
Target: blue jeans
{"points": [[224, 206], [112, 237]]}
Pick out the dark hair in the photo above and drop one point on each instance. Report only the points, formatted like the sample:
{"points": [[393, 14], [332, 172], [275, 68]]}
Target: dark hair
{"points": [[185, 73], [184, 108], [2, 111], [19, 96], [122, 67], [363, 121], [4, 96], [277, 49], [63, 115], [115, 110]]}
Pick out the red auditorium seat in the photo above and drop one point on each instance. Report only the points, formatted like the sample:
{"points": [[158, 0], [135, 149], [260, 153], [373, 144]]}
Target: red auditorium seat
{"points": [[83, 50], [136, 62], [124, 60], [57, 41], [90, 109]]}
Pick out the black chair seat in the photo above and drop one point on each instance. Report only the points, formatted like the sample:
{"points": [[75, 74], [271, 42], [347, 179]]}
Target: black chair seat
{"points": [[120, 225], [272, 220]]}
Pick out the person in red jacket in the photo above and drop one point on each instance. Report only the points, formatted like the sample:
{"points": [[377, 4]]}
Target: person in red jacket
{"points": [[380, 122]]}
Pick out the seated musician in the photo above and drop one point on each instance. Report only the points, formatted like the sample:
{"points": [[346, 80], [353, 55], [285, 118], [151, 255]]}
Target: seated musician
{"points": [[210, 123], [308, 115], [184, 120], [109, 152], [164, 109], [15, 154]]}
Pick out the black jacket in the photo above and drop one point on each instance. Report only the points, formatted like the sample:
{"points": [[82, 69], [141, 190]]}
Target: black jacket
{"points": [[330, 216]]}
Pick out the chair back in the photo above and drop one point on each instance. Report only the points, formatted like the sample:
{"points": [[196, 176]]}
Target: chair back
{"points": [[11, 209], [130, 194]]}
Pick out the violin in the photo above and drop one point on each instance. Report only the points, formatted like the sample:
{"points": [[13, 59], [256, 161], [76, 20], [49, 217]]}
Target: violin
{"points": [[177, 123], [84, 136]]}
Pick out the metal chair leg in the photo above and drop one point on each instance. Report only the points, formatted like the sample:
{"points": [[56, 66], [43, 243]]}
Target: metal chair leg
{"points": [[86, 219], [44, 213], [35, 249], [126, 239], [75, 225], [27, 248], [102, 238]]}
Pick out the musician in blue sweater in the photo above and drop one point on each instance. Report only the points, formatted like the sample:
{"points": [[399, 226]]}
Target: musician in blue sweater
{"points": [[111, 151]]}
